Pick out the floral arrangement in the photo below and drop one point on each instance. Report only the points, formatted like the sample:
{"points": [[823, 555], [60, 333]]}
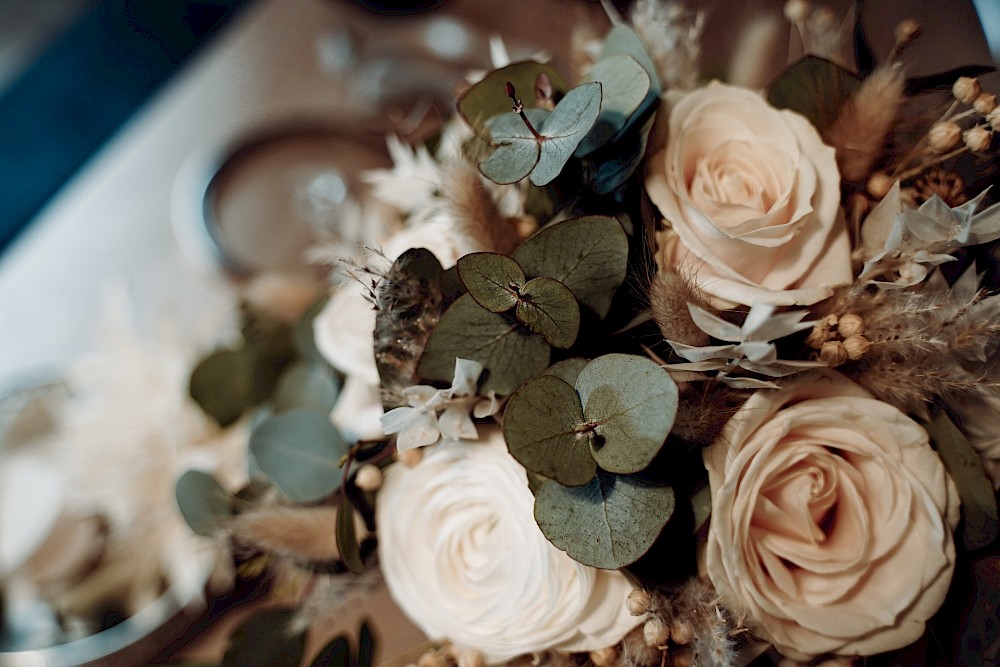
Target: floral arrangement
{"points": [[647, 369]]}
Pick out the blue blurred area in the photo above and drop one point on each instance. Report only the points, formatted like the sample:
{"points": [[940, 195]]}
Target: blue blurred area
{"points": [[92, 78]]}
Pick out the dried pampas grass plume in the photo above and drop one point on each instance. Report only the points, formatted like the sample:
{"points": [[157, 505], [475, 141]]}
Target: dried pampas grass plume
{"points": [[860, 130], [669, 296], [300, 533], [475, 209]]}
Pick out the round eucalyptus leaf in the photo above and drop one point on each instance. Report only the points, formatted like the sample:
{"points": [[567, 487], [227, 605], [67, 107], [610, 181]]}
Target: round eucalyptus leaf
{"points": [[624, 87], [608, 523], [622, 40], [589, 255], [564, 129], [300, 452], [493, 280], [347, 536], [266, 640], [540, 426], [203, 502], [488, 98], [516, 149], [549, 309], [223, 384], [567, 369], [509, 353], [304, 385], [631, 403]]}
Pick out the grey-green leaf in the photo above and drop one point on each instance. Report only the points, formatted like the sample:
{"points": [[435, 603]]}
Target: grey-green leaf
{"points": [[347, 536], [550, 309], [540, 426], [266, 639], [589, 255], [625, 85], [493, 280], [203, 502], [608, 523], [564, 129], [516, 149], [568, 369], [223, 384], [979, 504], [509, 352], [488, 98], [300, 452], [622, 40], [632, 402], [305, 385]]}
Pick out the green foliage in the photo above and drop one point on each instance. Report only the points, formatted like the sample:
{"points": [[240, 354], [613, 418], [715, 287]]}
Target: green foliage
{"points": [[203, 502], [304, 336], [549, 308], [223, 384], [300, 452], [979, 503], [567, 369], [624, 87], [338, 652], [589, 255], [542, 154], [306, 386], [608, 523], [510, 354], [622, 41], [266, 640], [347, 536], [493, 280], [814, 87], [487, 99]]}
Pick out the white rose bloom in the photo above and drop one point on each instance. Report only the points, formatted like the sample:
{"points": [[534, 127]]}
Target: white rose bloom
{"points": [[465, 560], [832, 519], [752, 198]]}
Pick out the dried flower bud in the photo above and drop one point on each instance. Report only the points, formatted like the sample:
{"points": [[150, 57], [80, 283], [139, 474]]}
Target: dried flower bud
{"points": [[655, 632], [993, 118], [604, 657], [432, 658], [856, 346], [850, 324], [471, 659], [944, 136], [906, 31], [410, 457], [985, 103], [638, 602], [820, 334], [966, 89], [977, 138], [681, 632], [684, 658], [797, 11], [368, 478], [833, 353], [879, 184]]}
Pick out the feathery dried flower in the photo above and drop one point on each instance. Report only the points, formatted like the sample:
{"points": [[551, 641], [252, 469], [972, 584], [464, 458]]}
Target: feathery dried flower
{"points": [[681, 631], [944, 136], [671, 34], [966, 89], [669, 295], [947, 185], [977, 138], [833, 353], [985, 103]]}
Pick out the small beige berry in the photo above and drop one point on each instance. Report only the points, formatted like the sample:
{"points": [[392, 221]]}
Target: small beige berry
{"points": [[368, 478], [906, 31], [797, 11], [637, 602], [820, 334], [604, 657], [410, 457], [856, 347], [833, 353], [432, 658], [879, 184], [977, 138], [966, 89], [993, 118], [471, 659], [655, 632], [985, 103], [944, 136], [850, 324], [681, 632]]}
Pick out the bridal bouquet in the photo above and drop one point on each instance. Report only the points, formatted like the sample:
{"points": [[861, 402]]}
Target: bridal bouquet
{"points": [[646, 369]]}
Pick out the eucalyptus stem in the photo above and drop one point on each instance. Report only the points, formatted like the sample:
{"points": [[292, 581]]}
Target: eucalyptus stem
{"points": [[519, 110]]}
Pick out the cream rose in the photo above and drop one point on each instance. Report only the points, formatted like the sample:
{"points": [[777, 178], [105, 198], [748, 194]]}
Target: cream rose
{"points": [[832, 519], [752, 198], [464, 559]]}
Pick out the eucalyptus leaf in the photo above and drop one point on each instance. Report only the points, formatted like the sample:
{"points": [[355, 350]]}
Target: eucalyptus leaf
{"points": [[621, 40], [266, 639], [608, 523], [366, 646], [509, 352], [300, 452], [624, 86], [304, 385], [979, 503], [304, 335], [568, 369], [589, 255], [517, 150], [564, 129], [347, 536], [631, 403], [488, 98], [549, 309], [493, 280], [607, 169], [203, 502], [337, 653], [814, 87], [222, 384], [540, 426]]}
